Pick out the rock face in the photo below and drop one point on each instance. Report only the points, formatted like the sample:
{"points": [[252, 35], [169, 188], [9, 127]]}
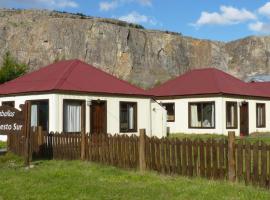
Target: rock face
{"points": [[142, 57]]}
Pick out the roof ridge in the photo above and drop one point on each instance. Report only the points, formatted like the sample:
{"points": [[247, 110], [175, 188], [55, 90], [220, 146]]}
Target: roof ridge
{"points": [[65, 74]]}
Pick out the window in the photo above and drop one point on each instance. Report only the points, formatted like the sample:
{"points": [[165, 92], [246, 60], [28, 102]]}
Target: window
{"points": [[260, 115], [170, 111], [8, 103], [40, 114], [73, 116], [231, 115], [202, 115], [128, 117]]}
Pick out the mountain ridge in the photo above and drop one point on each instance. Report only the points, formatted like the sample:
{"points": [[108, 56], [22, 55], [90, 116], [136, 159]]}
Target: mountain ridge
{"points": [[143, 57]]}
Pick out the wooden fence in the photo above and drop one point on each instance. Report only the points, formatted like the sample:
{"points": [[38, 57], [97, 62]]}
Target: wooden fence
{"points": [[212, 159]]}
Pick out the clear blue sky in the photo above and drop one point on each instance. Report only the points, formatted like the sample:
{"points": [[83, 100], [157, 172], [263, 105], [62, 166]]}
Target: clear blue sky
{"points": [[206, 19]]}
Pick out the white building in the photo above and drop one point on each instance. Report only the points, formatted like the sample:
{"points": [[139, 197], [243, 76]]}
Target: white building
{"points": [[211, 101], [71, 96]]}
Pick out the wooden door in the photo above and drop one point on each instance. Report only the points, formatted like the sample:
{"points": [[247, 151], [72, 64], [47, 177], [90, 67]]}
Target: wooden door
{"points": [[98, 117], [244, 124]]}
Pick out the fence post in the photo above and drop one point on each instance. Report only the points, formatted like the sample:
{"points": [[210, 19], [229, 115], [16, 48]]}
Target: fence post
{"points": [[231, 156], [27, 119], [83, 145], [142, 160]]}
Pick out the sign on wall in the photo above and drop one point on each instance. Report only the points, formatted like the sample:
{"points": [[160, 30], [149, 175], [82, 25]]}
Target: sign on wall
{"points": [[11, 120]]}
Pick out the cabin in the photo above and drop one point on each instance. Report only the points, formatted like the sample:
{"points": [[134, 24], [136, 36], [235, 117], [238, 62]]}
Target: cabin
{"points": [[72, 96], [211, 101]]}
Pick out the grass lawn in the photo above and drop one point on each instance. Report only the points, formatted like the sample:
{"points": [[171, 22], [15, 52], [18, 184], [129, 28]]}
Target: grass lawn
{"points": [[3, 144], [85, 180], [265, 137]]}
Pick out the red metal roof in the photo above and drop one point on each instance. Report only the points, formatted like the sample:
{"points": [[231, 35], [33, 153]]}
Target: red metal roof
{"points": [[206, 81], [71, 75], [262, 86]]}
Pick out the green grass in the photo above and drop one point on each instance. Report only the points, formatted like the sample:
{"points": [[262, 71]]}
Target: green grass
{"points": [[3, 144], [194, 136], [85, 180], [254, 137]]}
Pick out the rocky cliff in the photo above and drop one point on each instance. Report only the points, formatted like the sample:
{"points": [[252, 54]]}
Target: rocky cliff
{"points": [[143, 57]]}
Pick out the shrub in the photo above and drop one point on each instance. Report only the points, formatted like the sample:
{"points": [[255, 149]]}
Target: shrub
{"points": [[11, 68]]}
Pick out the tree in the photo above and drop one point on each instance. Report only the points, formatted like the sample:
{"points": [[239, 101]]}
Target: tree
{"points": [[11, 68]]}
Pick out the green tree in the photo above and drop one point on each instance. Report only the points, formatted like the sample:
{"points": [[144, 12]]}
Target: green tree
{"points": [[11, 68]]}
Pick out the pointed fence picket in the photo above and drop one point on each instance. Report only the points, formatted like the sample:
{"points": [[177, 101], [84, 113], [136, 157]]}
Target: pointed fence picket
{"points": [[206, 158]]}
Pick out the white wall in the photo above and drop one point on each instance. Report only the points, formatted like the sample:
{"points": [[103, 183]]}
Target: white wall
{"points": [[252, 114], [158, 120], [180, 125], [56, 111], [143, 111]]}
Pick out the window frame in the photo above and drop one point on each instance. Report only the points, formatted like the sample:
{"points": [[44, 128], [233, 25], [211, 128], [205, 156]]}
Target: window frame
{"points": [[189, 114], [83, 113], [264, 115], [135, 117], [235, 115], [42, 100], [164, 105], [4, 102]]}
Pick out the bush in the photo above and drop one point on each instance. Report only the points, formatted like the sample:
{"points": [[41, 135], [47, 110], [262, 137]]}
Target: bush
{"points": [[11, 68]]}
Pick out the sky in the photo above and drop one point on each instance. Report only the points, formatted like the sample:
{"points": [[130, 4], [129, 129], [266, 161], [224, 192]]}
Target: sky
{"points": [[223, 20]]}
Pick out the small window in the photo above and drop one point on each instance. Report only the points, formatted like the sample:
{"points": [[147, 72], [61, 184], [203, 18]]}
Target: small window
{"points": [[231, 115], [202, 115], [72, 116], [260, 115], [8, 103], [128, 117], [40, 114], [170, 111]]}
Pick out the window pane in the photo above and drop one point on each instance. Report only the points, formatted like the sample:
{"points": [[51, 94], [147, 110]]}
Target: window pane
{"points": [[34, 115], [202, 115], [208, 115], [170, 111], [72, 116], [231, 114], [195, 115], [123, 117], [40, 114], [260, 115], [128, 116]]}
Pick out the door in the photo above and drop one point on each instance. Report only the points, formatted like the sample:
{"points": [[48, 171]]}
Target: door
{"points": [[244, 128], [98, 117]]}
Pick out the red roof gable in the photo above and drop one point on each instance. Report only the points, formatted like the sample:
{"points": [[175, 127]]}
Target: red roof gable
{"points": [[205, 81], [71, 75]]}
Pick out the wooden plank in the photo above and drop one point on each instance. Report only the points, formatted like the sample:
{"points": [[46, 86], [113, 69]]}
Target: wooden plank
{"points": [[202, 158], [231, 156], [263, 164], [178, 156], [239, 159], [208, 159], [215, 158], [173, 158], [158, 155], [195, 157], [184, 156], [221, 159], [255, 177], [189, 154]]}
